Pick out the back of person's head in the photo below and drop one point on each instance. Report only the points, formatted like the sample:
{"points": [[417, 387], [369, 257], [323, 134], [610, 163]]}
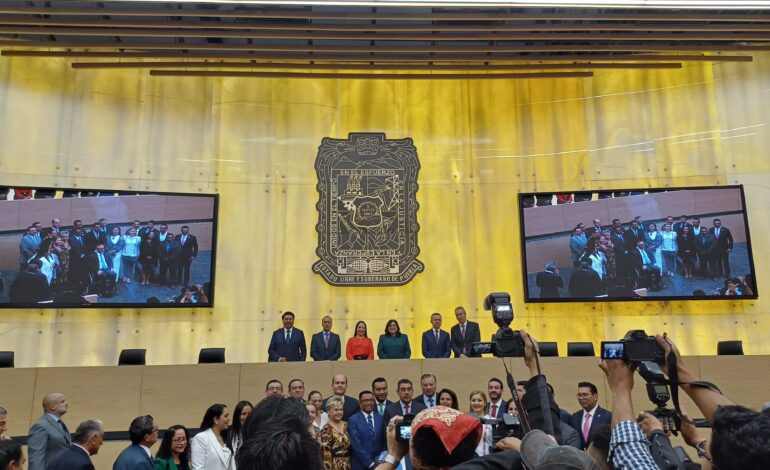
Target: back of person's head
{"points": [[272, 407], [436, 444], [740, 438], [599, 450], [280, 444], [86, 430], [11, 456], [139, 428]]}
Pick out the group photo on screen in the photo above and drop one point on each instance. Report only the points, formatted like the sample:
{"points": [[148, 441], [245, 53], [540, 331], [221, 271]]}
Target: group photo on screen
{"points": [[68, 247], [673, 243]]}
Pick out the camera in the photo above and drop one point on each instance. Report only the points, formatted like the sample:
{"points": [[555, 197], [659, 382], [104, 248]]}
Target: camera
{"points": [[505, 426], [636, 346], [404, 429], [658, 393], [505, 342]]}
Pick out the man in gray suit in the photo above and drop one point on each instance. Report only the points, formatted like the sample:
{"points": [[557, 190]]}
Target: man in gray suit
{"points": [[28, 246], [464, 334], [49, 435]]}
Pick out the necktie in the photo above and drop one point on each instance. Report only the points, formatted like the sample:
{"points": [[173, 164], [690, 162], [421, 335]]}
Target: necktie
{"points": [[370, 420], [462, 333], [406, 409], [288, 335], [326, 340], [716, 233], [102, 263], [645, 259], [430, 402], [493, 411], [64, 428], [586, 427], [381, 408], [436, 336]]}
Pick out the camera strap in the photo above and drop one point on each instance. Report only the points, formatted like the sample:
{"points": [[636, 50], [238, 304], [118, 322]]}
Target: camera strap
{"points": [[673, 379], [515, 397]]}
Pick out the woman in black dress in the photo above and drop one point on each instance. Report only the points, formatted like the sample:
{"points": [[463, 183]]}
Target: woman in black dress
{"points": [[148, 257], [686, 251]]}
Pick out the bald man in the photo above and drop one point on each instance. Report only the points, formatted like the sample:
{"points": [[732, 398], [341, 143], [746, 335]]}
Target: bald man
{"points": [[49, 436], [350, 405]]}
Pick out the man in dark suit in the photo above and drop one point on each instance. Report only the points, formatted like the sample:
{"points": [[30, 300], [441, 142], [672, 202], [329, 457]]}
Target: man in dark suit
{"points": [[100, 264], [435, 342], [367, 434], [28, 246], [705, 244], [549, 281], [591, 415], [464, 334], [642, 261], [380, 390], [86, 442], [404, 406], [724, 245], [325, 345], [679, 226], [349, 404], [94, 237], [150, 227], [497, 406], [594, 231], [633, 236], [54, 229], [49, 436], [30, 286], [288, 343], [78, 270], [189, 252], [143, 434], [169, 257], [585, 282], [429, 397]]}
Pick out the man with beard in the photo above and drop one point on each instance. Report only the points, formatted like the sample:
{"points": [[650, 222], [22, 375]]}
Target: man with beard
{"points": [[49, 436]]}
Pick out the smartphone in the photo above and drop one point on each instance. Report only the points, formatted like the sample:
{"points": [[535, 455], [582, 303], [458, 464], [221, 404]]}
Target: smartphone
{"points": [[403, 432], [613, 350]]}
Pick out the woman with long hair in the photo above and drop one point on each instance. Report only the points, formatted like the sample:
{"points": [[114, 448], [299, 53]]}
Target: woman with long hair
{"points": [[669, 249], [478, 405], [393, 344], [130, 254], [448, 398], [209, 447], [687, 251], [360, 346], [174, 451], [149, 252], [321, 417], [235, 433], [114, 249]]}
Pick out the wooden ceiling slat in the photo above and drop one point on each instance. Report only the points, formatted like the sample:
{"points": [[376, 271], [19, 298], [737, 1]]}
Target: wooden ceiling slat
{"points": [[581, 14], [381, 58], [374, 76], [286, 65], [277, 26], [536, 47], [322, 35]]}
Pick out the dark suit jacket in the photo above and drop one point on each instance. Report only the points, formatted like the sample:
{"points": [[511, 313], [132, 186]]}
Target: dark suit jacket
{"points": [[549, 284], [74, 458], [90, 240], [430, 349], [501, 410], [395, 410], [295, 350], [636, 258], [724, 240], [93, 262], [585, 283], [631, 240], [170, 251], [46, 440], [678, 227], [472, 335], [30, 288], [600, 417], [421, 398], [364, 449], [133, 457], [190, 247], [349, 408], [145, 230], [319, 351]]}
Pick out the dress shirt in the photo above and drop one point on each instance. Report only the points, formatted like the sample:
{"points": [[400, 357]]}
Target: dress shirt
{"points": [[146, 449], [287, 334], [590, 420], [404, 407], [629, 448], [380, 406]]}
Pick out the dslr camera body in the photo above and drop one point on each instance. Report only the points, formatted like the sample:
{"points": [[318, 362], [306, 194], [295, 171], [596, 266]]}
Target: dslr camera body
{"points": [[635, 347], [506, 342]]}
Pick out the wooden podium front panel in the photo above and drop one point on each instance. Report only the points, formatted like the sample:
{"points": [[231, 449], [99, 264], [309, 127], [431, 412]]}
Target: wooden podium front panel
{"points": [[16, 395]]}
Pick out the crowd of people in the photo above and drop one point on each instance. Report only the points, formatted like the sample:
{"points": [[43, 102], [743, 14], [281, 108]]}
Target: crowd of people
{"points": [[288, 343], [301, 430], [57, 262], [614, 259]]}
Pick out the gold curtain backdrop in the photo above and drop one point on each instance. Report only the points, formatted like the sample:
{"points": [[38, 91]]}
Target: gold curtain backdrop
{"points": [[480, 143]]}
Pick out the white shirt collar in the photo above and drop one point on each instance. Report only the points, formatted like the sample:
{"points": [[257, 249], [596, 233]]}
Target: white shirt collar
{"points": [[146, 449], [593, 411]]}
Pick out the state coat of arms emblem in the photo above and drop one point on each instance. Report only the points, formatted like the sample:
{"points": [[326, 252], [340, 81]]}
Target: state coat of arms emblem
{"points": [[367, 211]]}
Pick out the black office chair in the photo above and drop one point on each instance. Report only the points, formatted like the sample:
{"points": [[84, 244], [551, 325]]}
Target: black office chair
{"points": [[548, 349], [6, 359], [132, 357], [211, 356], [580, 349], [730, 348]]}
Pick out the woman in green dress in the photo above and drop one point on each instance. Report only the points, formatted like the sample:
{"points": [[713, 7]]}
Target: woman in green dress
{"points": [[174, 451], [393, 344]]}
